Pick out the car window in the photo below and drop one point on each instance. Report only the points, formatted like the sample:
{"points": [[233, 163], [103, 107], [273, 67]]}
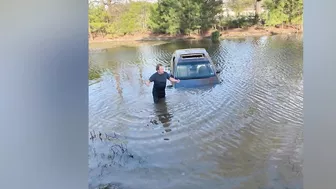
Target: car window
{"points": [[194, 70]]}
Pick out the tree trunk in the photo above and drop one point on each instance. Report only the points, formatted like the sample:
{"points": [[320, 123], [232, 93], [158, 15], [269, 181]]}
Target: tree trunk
{"points": [[90, 34], [257, 11]]}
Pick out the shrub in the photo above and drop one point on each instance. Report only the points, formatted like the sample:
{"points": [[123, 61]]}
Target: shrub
{"points": [[215, 36]]}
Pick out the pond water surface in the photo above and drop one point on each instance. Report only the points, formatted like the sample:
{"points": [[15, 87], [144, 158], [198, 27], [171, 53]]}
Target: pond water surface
{"points": [[246, 132]]}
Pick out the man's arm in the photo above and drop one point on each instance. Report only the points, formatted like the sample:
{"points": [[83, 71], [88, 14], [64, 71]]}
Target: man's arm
{"points": [[151, 79], [174, 80], [147, 82]]}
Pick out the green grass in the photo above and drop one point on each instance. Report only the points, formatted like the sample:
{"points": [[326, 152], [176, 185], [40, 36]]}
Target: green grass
{"points": [[94, 74]]}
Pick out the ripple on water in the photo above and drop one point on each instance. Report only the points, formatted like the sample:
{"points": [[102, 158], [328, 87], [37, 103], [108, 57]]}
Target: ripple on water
{"points": [[225, 135]]}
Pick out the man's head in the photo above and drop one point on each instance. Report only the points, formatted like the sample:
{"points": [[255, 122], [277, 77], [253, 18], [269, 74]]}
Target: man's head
{"points": [[160, 68]]}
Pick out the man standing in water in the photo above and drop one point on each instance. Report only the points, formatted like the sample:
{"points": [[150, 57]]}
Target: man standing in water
{"points": [[159, 78]]}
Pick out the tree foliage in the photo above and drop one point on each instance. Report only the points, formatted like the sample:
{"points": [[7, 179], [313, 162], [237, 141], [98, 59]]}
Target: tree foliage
{"points": [[184, 16], [116, 18], [238, 6], [98, 19], [121, 17], [283, 11]]}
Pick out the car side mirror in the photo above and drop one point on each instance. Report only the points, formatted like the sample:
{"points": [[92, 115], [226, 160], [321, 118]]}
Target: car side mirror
{"points": [[218, 71]]}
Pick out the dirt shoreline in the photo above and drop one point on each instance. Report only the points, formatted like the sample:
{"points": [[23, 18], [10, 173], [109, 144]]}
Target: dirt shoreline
{"points": [[231, 33]]}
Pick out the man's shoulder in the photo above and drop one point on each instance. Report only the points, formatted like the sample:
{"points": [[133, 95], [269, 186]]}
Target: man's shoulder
{"points": [[153, 77], [154, 74]]}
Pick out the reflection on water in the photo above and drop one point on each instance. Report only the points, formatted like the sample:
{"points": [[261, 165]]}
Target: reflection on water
{"points": [[163, 115], [246, 132]]}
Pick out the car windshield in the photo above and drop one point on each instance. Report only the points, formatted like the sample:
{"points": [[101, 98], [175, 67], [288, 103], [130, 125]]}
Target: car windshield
{"points": [[194, 70]]}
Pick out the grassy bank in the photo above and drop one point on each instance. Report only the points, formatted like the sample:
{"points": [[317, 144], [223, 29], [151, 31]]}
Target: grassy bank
{"points": [[103, 43], [138, 38]]}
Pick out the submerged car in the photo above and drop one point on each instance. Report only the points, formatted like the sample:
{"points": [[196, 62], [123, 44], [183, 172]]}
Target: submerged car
{"points": [[193, 67]]}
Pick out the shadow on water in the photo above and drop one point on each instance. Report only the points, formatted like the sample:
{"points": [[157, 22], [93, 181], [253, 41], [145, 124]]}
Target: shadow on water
{"points": [[246, 132]]}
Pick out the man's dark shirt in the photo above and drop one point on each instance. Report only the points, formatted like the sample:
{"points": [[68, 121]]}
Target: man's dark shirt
{"points": [[159, 80]]}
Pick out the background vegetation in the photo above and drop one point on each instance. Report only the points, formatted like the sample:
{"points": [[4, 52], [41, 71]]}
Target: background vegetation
{"points": [[114, 18]]}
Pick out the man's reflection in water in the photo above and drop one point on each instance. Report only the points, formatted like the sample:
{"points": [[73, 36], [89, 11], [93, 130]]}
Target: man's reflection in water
{"points": [[162, 113]]}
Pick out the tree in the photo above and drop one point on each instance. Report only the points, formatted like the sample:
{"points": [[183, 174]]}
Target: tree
{"points": [[154, 22], [135, 18], [238, 6], [209, 13], [295, 11], [166, 17], [190, 16], [276, 12], [184, 16], [257, 11], [284, 11], [98, 19]]}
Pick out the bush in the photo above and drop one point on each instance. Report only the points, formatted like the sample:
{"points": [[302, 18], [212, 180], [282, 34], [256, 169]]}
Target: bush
{"points": [[242, 22], [215, 36]]}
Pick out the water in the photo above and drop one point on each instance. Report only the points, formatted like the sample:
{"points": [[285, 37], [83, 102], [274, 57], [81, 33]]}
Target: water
{"points": [[246, 132]]}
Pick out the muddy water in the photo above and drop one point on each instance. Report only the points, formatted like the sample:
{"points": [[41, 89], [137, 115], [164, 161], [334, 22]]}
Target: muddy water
{"points": [[246, 132]]}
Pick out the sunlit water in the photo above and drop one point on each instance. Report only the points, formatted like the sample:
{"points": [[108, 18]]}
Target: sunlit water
{"points": [[246, 132]]}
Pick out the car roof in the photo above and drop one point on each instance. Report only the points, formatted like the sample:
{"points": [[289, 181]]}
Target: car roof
{"points": [[193, 54], [180, 52]]}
